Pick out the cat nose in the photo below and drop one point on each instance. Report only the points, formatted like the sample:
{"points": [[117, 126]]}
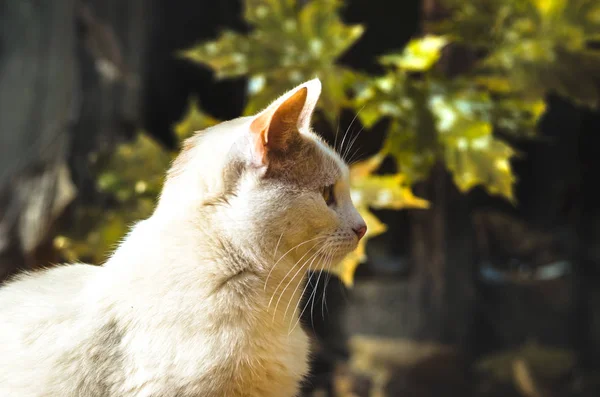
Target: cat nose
{"points": [[360, 231]]}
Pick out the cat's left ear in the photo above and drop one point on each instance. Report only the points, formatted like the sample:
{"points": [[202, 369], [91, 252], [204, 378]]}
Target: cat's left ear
{"points": [[276, 127]]}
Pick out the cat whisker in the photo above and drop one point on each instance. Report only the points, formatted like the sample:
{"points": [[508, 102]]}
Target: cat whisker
{"points": [[284, 255], [277, 246], [351, 144], [291, 270], [327, 279], [329, 274], [308, 282], [290, 327], [348, 129], [304, 290], [346, 134], [337, 130], [354, 157], [323, 301], [312, 305], [328, 257], [312, 257]]}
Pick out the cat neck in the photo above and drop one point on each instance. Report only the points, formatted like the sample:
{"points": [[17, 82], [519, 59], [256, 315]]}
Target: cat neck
{"points": [[164, 263]]}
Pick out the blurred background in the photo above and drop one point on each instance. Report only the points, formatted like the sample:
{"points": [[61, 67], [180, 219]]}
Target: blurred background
{"points": [[473, 127]]}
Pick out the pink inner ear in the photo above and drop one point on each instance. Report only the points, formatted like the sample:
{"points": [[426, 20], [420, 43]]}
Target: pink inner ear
{"points": [[258, 130], [275, 127]]}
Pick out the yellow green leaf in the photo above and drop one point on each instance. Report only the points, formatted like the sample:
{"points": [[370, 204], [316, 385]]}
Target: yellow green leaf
{"points": [[256, 11], [481, 161], [374, 191], [499, 84], [228, 56], [380, 97], [363, 169], [538, 46], [346, 268], [381, 191], [289, 43], [385, 192], [519, 117], [419, 55], [470, 151], [193, 120], [549, 7], [133, 174], [593, 15]]}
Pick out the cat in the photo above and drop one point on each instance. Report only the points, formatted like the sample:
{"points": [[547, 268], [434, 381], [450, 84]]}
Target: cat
{"points": [[201, 298]]}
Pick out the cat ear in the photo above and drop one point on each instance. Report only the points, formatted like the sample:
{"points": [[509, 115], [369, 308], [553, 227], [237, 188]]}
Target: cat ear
{"points": [[276, 127]]}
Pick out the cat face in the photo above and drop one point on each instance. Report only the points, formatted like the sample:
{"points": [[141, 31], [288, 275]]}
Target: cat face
{"points": [[301, 190], [274, 188]]}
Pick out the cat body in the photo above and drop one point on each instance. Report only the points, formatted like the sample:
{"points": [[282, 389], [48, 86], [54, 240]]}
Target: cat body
{"points": [[200, 299]]}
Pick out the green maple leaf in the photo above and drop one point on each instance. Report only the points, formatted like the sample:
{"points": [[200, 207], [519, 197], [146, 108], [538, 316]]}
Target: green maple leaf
{"points": [[133, 174], [450, 121], [410, 139], [483, 160], [193, 120], [419, 55], [470, 151], [535, 46], [288, 44], [518, 117], [378, 192]]}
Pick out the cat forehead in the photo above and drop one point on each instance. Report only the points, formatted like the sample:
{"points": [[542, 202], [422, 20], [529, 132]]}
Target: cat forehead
{"points": [[332, 158], [311, 164]]}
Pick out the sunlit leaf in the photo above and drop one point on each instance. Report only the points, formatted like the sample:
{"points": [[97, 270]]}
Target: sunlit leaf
{"points": [[381, 97], [414, 156], [385, 192], [470, 151], [494, 83], [133, 176], [193, 120], [419, 55], [347, 267], [381, 191], [374, 191], [518, 117], [537, 46], [482, 161], [549, 7], [288, 44]]}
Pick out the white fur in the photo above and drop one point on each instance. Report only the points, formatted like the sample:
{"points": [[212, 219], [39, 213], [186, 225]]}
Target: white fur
{"points": [[173, 313]]}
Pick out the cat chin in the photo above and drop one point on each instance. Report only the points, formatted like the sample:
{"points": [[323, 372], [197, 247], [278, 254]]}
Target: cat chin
{"points": [[328, 262]]}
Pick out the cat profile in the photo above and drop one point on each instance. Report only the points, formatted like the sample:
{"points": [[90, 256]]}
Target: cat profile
{"points": [[201, 298]]}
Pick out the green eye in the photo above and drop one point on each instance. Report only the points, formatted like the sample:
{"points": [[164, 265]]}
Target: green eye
{"points": [[328, 195]]}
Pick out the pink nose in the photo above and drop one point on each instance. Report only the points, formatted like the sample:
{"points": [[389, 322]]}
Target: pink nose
{"points": [[360, 231]]}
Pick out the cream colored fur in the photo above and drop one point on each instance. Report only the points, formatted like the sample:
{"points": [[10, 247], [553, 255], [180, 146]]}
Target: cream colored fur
{"points": [[200, 299]]}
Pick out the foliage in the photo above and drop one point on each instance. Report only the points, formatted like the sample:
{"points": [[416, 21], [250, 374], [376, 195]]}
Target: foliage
{"points": [[534, 46], [133, 176], [288, 45], [374, 191], [435, 120], [521, 50]]}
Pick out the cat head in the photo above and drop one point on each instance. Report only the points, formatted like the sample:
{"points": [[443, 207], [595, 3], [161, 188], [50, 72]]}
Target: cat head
{"points": [[268, 185]]}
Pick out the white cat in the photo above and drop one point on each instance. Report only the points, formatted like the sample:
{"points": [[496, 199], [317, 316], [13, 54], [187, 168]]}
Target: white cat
{"points": [[201, 298]]}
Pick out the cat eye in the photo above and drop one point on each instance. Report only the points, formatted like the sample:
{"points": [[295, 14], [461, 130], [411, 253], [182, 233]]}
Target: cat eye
{"points": [[328, 195]]}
